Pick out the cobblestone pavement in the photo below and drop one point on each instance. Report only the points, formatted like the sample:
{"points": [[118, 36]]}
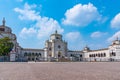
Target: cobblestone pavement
{"points": [[60, 71]]}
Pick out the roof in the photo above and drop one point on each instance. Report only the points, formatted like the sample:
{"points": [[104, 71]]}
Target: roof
{"points": [[74, 51], [56, 34], [99, 50], [33, 49]]}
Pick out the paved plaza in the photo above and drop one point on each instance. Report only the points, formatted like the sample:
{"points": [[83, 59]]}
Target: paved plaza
{"points": [[60, 71]]}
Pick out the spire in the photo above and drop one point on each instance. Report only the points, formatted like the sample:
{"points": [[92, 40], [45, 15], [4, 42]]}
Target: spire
{"points": [[3, 21], [56, 32], [86, 48]]}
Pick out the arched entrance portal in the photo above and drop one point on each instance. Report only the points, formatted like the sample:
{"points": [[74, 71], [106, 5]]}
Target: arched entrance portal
{"points": [[59, 54]]}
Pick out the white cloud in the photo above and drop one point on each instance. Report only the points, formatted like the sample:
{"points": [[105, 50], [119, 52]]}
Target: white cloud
{"points": [[73, 36], [117, 34], [47, 26], [115, 23], [27, 32], [27, 13], [44, 26], [81, 15], [97, 34]]}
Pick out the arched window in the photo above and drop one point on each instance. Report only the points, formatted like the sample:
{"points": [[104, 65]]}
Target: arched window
{"points": [[114, 54], [32, 54], [28, 59], [93, 55], [98, 55], [101, 55], [104, 54], [39, 54], [80, 55], [33, 59], [36, 58], [29, 54], [59, 46], [89, 55], [36, 54], [50, 49], [25, 54]]}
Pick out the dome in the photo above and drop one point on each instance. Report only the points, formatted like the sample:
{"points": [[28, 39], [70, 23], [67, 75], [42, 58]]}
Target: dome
{"points": [[56, 36], [86, 48], [116, 42], [4, 28]]}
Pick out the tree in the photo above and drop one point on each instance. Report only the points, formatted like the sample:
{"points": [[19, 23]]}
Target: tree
{"points": [[5, 46]]}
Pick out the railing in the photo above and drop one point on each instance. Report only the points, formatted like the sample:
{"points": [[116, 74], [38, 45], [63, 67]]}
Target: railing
{"points": [[4, 59]]}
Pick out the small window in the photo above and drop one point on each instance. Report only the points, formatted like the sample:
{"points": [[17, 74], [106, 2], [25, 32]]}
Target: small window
{"points": [[98, 55], [25, 54], [104, 54], [28, 59], [39, 54], [50, 48], [113, 54], [57, 37], [90, 55], [80, 55], [33, 54]]}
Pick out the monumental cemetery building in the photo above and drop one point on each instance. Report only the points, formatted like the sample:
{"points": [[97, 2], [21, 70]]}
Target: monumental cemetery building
{"points": [[56, 49]]}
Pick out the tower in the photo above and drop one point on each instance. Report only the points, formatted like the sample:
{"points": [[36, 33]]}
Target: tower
{"points": [[3, 22], [56, 47]]}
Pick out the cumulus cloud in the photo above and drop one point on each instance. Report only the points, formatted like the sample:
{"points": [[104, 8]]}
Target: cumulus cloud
{"points": [[28, 32], [43, 26], [98, 34], [115, 23], [72, 36], [117, 34], [27, 13], [81, 15], [47, 26]]}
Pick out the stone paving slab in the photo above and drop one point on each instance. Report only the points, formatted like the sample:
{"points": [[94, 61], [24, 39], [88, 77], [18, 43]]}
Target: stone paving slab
{"points": [[60, 71]]}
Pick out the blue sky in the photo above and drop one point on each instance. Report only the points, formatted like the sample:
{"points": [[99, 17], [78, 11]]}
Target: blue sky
{"points": [[81, 22]]}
